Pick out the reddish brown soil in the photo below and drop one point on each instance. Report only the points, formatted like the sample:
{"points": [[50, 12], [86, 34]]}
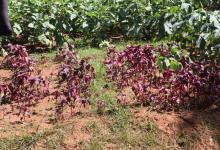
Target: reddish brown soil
{"points": [[203, 126], [43, 117]]}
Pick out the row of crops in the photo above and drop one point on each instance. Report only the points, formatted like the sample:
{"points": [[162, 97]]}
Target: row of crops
{"points": [[192, 22], [182, 73], [185, 84]]}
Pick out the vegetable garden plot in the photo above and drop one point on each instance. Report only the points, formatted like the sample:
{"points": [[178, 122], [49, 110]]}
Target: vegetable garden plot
{"points": [[26, 88]]}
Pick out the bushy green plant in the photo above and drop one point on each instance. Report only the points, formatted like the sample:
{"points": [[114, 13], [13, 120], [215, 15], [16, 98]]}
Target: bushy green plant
{"points": [[194, 23]]}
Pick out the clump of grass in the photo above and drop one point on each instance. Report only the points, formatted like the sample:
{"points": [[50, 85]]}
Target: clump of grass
{"points": [[92, 127], [25, 142], [50, 139], [55, 141], [94, 145], [119, 129], [186, 140]]}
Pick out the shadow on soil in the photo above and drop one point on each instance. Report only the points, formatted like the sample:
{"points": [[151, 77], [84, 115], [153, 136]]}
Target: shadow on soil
{"points": [[200, 129]]}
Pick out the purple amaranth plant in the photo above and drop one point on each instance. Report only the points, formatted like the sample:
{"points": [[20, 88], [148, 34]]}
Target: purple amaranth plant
{"points": [[24, 89], [136, 67], [74, 77], [126, 66], [3, 91], [17, 58]]}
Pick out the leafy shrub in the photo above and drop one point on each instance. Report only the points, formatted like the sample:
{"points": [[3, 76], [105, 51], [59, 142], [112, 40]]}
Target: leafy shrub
{"points": [[190, 21]]}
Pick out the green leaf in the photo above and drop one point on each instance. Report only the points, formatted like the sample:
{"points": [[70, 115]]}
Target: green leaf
{"points": [[31, 25], [44, 40], [168, 27], [175, 65], [186, 6], [17, 29], [213, 19], [85, 25], [167, 62], [73, 16], [48, 25]]}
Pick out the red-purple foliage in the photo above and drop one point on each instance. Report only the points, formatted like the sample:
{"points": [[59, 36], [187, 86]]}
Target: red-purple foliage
{"points": [[136, 67], [196, 83], [17, 58], [24, 89], [74, 77], [132, 64]]}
